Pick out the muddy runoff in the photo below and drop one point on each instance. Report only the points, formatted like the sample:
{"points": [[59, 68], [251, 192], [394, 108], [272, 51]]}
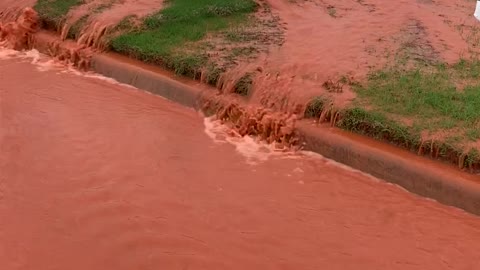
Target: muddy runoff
{"points": [[18, 30], [255, 119], [98, 175]]}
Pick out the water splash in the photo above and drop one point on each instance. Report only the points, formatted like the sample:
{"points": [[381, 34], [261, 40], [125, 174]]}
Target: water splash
{"points": [[18, 33], [251, 148]]}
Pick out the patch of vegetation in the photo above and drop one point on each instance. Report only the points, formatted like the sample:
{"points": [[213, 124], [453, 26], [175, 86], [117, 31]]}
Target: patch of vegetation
{"points": [[442, 97], [74, 31], [244, 85], [436, 101], [315, 107], [104, 6], [377, 125], [240, 34], [332, 11], [127, 24], [236, 53], [53, 12], [168, 37], [213, 74]]}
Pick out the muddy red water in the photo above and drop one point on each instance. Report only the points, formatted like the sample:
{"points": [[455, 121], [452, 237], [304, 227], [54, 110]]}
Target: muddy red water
{"points": [[100, 176]]}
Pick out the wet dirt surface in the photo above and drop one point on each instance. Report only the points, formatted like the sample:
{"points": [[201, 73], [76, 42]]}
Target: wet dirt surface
{"points": [[330, 39], [104, 15], [98, 176], [17, 4], [112, 12]]}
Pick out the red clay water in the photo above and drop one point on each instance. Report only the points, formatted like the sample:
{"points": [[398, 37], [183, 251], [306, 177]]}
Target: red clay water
{"points": [[100, 176]]}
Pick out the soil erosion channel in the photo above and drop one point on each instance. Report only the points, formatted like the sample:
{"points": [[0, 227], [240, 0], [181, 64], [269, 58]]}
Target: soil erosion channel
{"points": [[96, 175]]}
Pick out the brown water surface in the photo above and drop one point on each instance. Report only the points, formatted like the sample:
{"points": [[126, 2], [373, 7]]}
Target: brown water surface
{"points": [[95, 175]]}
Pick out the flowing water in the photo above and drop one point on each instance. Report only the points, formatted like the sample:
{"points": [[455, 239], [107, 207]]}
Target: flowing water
{"points": [[96, 175]]}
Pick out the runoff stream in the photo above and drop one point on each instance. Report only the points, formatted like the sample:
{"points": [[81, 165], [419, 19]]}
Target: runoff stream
{"points": [[98, 175]]}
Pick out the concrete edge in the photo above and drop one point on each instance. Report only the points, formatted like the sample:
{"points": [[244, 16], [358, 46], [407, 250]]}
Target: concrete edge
{"points": [[419, 175], [134, 75], [416, 174]]}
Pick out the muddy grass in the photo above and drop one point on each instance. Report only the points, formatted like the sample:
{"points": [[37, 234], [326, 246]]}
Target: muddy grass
{"points": [[199, 39], [53, 12], [432, 110], [429, 107]]}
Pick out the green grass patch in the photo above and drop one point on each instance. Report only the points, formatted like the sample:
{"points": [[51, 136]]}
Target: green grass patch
{"points": [[438, 98], [53, 12], [168, 37], [378, 126], [442, 101]]}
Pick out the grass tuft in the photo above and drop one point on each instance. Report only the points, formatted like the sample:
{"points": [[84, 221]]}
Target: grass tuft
{"points": [[439, 98], [53, 12], [315, 107], [406, 105], [74, 31], [376, 125], [244, 85]]}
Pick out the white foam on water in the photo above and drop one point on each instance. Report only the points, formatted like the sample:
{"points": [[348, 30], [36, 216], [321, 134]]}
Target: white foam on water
{"points": [[7, 53], [256, 151], [45, 63], [253, 150], [42, 62]]}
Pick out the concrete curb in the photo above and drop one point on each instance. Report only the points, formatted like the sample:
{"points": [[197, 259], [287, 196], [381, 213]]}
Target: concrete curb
{"points": [[148, 80], [416, 174], [419, 175]]}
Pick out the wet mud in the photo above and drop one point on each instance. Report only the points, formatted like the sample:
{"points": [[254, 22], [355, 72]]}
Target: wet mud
{"points": [[101, 17], [330, 41], [10, 9], [97, 175]]}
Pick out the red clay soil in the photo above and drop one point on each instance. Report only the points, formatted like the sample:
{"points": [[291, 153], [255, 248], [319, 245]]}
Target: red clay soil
{"points": [[105, 12], [104, 15], [327, 39], [5, 4]]}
